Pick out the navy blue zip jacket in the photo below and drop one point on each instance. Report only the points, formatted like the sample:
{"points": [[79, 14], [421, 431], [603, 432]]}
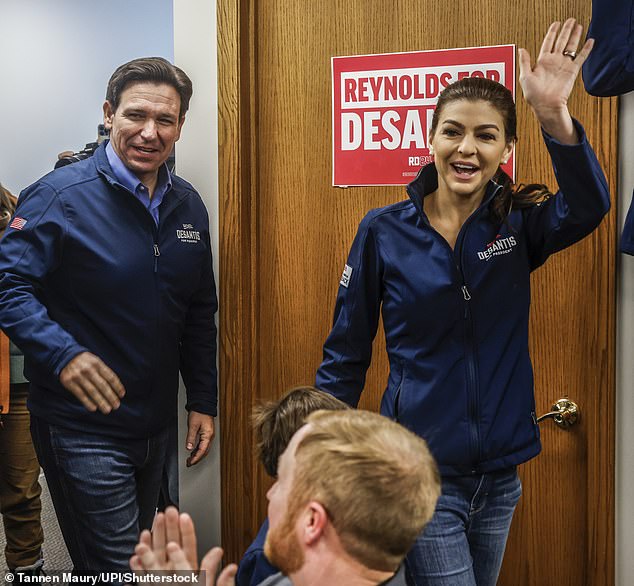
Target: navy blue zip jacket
{"points": [[456, 321], [609, 70], [254, 566], [83, 267]]}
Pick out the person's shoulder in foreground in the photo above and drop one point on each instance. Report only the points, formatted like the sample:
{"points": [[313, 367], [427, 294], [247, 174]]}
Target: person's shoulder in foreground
{"points": [[609, 70], [279, 579]]}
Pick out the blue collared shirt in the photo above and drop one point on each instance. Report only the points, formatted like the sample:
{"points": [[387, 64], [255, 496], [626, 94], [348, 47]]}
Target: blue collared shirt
{"points": [[131, 182]]}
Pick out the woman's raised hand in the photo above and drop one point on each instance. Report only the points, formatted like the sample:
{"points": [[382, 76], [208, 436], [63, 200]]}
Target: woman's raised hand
{"points": [[548, 84]]}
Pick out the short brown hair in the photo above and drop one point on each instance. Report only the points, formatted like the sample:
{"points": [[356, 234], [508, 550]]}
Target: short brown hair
{"points": [[377, 480], [276, 422], [153, 70]]}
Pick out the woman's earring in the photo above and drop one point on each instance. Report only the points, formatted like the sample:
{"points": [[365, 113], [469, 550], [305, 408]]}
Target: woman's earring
{"points": [[431, 150]]}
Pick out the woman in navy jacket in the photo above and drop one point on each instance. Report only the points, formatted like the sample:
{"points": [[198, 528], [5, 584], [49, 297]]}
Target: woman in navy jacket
{"points": [[449, 270]]}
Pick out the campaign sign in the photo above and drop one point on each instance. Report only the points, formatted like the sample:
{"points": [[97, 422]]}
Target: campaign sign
{"points": [[382, 106]]}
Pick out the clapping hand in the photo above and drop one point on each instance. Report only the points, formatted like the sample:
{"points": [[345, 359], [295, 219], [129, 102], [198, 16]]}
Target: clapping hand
{"points": [[548, 84], [172, 546], [170, 527]]}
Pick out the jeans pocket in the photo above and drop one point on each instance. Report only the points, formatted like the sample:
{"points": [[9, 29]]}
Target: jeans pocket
{"points": [[61, 439]]}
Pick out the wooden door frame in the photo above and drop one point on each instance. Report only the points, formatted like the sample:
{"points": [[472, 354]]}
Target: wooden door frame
{"points": [[602, 464], [238, 323]]}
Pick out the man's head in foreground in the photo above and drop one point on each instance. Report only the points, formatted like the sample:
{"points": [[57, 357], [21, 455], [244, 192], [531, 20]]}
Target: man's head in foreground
{"points": [[353, 488]]}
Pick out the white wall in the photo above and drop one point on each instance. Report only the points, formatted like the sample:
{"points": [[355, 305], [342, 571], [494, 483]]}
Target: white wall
{"points": [[625, 370], [56, 57], [197, 161]]}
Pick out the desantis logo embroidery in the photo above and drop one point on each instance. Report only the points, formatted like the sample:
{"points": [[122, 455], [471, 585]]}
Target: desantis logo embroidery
{"points": [[188, 234], [498, 247], [345, 278]]}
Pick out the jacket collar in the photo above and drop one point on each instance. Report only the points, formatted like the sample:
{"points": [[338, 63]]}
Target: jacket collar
{"points": [[103, 166], [426, 182], [105, 170], [132, 183]]}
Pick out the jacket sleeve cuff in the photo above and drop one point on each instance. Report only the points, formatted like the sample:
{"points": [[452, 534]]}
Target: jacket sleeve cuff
{"points": [[583, 140], [66, 356], [207, 407], [581, 180]]}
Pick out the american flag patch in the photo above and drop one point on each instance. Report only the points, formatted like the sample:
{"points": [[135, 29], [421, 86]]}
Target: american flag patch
{"points": [[17, 223]]}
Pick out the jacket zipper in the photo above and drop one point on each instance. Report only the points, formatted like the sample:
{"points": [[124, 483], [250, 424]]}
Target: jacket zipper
{"points": [[156, 252], [473, 398], [473, 392], [473, 388]]}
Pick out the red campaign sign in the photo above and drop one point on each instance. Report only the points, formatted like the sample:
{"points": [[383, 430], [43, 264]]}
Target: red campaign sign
{"points": [[382, 107]]}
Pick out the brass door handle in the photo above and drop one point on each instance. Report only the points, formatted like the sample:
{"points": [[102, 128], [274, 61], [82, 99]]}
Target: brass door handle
{"points": [[564, 412]]}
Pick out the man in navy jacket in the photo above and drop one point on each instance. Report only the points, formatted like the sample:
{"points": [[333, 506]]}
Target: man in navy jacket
{"points": [[106, 284]]}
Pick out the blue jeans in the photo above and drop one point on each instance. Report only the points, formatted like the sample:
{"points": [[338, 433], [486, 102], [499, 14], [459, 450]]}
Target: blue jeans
{"points": [[104, 491], [463, 544], [168, 493]]}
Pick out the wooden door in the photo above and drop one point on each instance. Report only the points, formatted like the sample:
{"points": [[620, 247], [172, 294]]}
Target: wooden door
{"points": [[285, 234]]}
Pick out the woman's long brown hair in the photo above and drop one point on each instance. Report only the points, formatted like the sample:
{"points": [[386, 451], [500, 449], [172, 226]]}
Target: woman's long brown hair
{"points": [[511, 196], [7, 207]]}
